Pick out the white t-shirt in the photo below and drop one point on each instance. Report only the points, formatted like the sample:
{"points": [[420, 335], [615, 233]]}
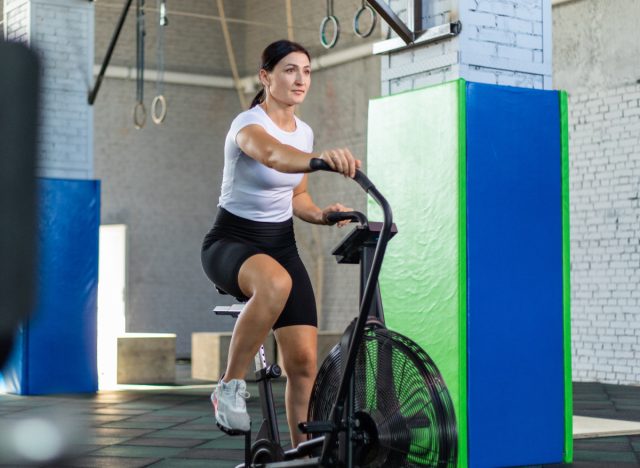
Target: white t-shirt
{"points": [[250, 189]]}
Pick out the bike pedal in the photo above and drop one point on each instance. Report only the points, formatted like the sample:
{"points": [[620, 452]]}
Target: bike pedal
{"points": [[316, 427], [232, 432]]}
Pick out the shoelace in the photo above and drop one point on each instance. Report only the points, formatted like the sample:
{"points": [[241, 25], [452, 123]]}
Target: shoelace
{"points": [[242, 393]]}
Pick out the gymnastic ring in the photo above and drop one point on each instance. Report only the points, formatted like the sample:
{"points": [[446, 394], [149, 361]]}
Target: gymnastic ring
{"points": [[356, 21], [143, 111], [158, 117], [323, 30]]}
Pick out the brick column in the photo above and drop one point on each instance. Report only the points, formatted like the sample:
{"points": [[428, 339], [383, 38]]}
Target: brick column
{"points": [[62, 32], [504, 42]]}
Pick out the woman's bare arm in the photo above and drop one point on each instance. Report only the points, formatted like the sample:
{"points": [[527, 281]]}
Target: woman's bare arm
{"points": [[305, 208], [254, 141]]}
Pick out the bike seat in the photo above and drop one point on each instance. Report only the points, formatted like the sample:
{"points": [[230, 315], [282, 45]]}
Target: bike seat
{"points": [[232, 310], [222, 292]]}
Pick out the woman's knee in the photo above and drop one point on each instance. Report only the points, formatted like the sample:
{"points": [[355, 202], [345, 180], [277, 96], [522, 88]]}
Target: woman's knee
{"points": [[263, 277], [301, 365], [275, 286]]}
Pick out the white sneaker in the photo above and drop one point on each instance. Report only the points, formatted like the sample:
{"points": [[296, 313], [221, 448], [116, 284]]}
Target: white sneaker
{"points": [[230, 406]]}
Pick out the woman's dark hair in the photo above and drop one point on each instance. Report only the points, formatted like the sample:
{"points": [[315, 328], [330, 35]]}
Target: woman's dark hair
{"points": [[271, 55]]}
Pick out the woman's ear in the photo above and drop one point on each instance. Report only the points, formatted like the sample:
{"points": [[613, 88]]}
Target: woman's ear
{"points": [[263, 75]]}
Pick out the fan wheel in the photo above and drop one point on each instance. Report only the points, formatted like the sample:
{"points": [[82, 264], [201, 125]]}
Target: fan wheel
{"points": [[266, 451], [403, 411]]}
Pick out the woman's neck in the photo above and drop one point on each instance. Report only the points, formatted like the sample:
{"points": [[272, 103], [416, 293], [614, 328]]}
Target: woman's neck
{"points": [[282, 116]]}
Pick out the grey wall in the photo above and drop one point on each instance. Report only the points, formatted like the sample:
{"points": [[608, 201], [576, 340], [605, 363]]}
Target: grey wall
{"points": [[596, 44], [163, 181], [596, 50]]}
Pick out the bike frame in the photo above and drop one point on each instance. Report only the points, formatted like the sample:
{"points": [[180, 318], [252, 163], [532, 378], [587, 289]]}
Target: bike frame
{"points": [[344, 400]]}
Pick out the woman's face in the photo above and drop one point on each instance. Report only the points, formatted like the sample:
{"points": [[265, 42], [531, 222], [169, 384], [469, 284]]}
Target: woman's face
{"points": [[289, 80]]}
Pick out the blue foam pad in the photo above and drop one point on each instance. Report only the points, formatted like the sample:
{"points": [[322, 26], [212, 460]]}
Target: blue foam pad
{"points": [[514, 248], [56, 351]]}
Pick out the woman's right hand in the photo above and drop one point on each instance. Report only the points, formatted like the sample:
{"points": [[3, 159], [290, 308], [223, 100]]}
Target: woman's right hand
{"points": [[341, 160]]}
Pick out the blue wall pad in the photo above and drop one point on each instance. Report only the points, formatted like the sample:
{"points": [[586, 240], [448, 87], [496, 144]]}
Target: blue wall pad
{"points": [[514, 248], [56, 351]]}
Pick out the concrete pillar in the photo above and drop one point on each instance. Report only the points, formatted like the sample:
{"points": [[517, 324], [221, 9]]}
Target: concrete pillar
{"points": [[505, 42], [62, 32]]}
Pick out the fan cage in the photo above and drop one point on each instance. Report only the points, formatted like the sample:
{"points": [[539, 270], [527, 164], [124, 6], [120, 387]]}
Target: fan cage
{"points": [[399, 387]]}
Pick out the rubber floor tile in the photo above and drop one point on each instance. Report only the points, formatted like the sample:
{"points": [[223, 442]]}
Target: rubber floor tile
{"points": [[137, 451], [225, 443], [601, 464], [604, 456], [586, 445], [180, 413], [214, 455], [107, 462], [166, 442], [114, 397], [154, 416], [98, 440], [170, 433], [143, 405], [119, 411], [604, 440], [114, 432], [190, 426], [99, 419], [194, 463], [128, 424], [596, 405]]}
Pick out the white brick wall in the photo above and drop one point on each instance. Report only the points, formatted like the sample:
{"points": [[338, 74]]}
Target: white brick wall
{"points": [[16, 20], [506, 42], [421, 66], [605, 234], [61, 32], [510, 39]]}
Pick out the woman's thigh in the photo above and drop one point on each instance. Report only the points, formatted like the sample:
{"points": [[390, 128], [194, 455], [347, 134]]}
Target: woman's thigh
{"points": [[222, 261], [300, 308], [241, 269]]}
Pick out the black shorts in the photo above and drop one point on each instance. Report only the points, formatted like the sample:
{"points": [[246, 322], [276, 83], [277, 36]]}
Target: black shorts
{"points": [[233, 239]]}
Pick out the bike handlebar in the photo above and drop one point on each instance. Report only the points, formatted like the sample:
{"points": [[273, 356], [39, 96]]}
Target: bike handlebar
{"points": [[318, 164], [337, 216]]}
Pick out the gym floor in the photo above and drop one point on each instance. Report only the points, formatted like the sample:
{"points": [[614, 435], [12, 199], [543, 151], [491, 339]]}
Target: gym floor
{"points": [[166, 427]]}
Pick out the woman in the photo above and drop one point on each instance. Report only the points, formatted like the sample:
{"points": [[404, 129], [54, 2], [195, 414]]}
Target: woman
{"points": [[251, 253]]}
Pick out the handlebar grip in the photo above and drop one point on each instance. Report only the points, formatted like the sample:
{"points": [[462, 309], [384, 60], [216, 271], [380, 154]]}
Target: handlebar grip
{"points": [[336, 216], [317, 164]]}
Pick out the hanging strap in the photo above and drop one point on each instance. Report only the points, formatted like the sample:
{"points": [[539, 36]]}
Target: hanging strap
{"points": [[289, 12], [139, 111], [159, 103]]}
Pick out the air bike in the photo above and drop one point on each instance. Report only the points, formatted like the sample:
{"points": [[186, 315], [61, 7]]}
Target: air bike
{"points": [[378, 399]]}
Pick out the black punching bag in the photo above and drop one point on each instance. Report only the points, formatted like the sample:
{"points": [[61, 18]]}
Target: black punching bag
{"points": [[19, 96]]}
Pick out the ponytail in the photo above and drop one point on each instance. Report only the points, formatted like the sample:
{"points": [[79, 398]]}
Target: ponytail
{"points": [[257, 99]]}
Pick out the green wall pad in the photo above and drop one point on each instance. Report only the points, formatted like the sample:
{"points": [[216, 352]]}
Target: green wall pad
{"points": [[414, 156]]}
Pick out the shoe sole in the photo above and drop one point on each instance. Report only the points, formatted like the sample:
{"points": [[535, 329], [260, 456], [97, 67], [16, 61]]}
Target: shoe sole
{"points": [[228, 430], [231, 432]]}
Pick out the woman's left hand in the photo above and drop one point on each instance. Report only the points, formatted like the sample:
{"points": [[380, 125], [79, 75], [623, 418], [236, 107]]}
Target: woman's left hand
{"points": [[332, 208]]}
